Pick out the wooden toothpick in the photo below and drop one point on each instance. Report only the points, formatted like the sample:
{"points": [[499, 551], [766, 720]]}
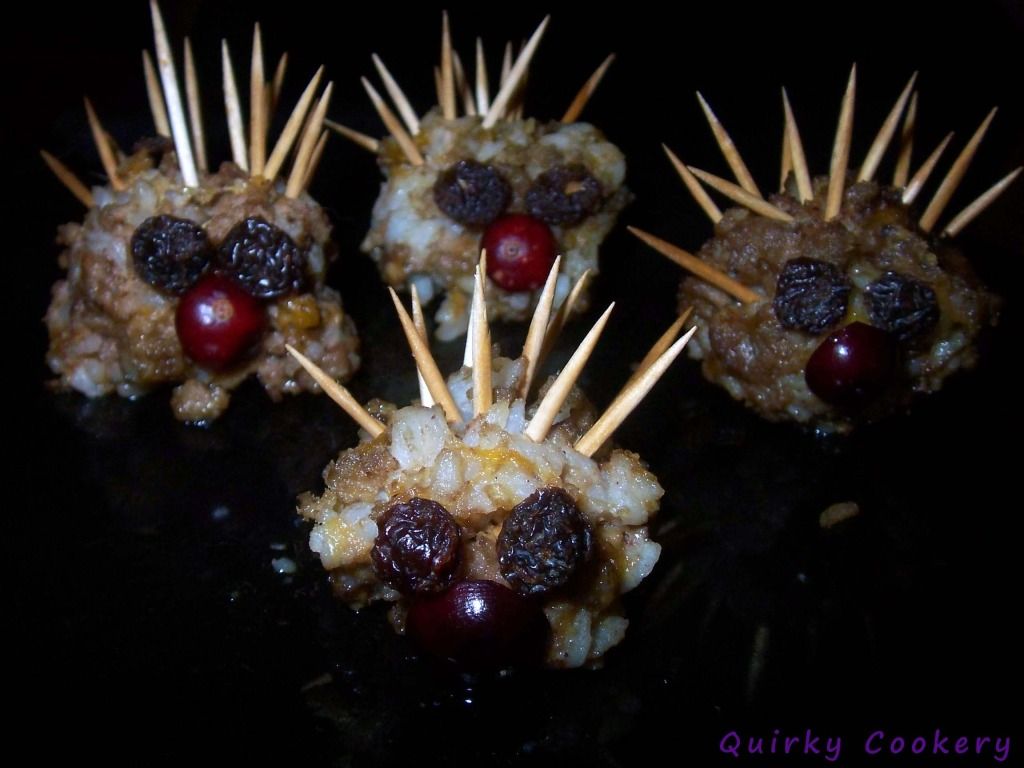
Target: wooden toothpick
{"points": [[902, 171], [740, 195], [233, 107], [398, 96], [699, 194], [405, 142], [68, 179], [983, 201], [155, 97], [796, 149], [518, 71], [538, 327], [359, 139], [195, 110], [885, 134], [841, 150], [291, 129], [338, 394], [172, 95], [729, 150], [576, 107], [99, 137], [919, 179]]}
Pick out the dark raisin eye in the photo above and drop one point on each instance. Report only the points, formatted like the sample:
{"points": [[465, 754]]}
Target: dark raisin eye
{"points": [[543, 542], [170, 254], [472, 193], [902, 305], [566, 194], [810, 295], [262, 259], [417, 546]]}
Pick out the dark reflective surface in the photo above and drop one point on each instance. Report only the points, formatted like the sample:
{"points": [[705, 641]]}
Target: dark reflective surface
{"points": [[147, 619]]}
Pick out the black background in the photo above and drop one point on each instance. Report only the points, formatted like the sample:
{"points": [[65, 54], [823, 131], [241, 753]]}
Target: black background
{"points": [[146, 629]]}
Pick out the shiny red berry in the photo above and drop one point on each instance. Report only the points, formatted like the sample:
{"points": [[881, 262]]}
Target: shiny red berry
{"points": [[520, 252], [479, 624], [853, 365], [218, 323]]}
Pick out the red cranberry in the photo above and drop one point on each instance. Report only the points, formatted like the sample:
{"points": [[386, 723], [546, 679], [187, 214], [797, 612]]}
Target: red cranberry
{"points": [[853, 365], [218, 322], [520, 252], [479, 624]]}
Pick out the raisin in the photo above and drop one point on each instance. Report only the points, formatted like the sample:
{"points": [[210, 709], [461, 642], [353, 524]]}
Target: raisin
{"points": [[810, 295], [472, 193], [417, 546], [543, 541], [902, 305], [566, 194], [170, 254], [263, 259]]}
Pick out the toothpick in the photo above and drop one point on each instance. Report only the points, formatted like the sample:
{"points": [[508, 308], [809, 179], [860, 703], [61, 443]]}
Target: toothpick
{"points": [[561, 317], [741, 196], [165, 63], [397, 96], [554, 398], [786, 163], [841, 150], [305, 152], [447, 74], [699, 194], [666, 340], [291, 129], [538, 326], [405, 142], [578, 103], [732, 155], [360, 139], [338, 394], [233, 108], [796, 151], [983, 201], [954, 176], [506, 64], [99, 137], [919, 179], [314, 161], [257, 107], [899, 177], [885, 134], [629, 399], [701, 269], [278, 83], [156, 97], [425, 363], [483, 98], [482, 395], [517, 72], [68, 179], [426, 399], [462, 85], [438, 86], [195, 112]]}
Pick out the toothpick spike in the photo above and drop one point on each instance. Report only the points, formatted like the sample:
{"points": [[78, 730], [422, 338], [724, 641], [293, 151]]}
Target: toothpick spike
{"points": [[482, 394], [155, 97], [588, 89], [106, 152], [68, 179], [786, 163], [398, 96], [291, 129], [538, 326], [425, 363], [257, 107], [701, 269], [559, 390], [338, 394], [729, 150], [438, 85], [954, 176], [195, 110], [841, 150], [462, 85], [418, 320], [885, 134], [741, 196], [902, 171], [561, 317], [629, 399], [447, 73], [919, 179], [517, 72], [983, 201], [483, 97], [666, 340], [233, 108], [360, 139], [314, 160], [278, 83], [300, 165], [699, 194], [405, 142], [172, 95], [506, 64], [796, 150]]}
